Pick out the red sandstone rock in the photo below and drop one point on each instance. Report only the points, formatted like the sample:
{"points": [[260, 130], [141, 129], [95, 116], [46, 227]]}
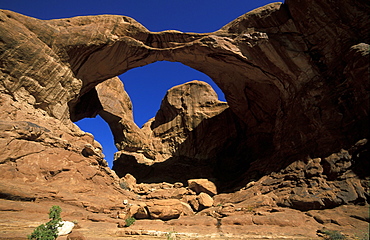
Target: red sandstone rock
{"points": [[193, 220], [75, 235], [128, 182], [296, 79], [205, 200], [202, 185], [165, 209], [237, 220], [183, 140]]}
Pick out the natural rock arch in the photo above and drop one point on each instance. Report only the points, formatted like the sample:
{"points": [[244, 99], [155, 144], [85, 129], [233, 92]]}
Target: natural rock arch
{"points": [[218, 55], [278, 75], [295, 76], [272, 76]]}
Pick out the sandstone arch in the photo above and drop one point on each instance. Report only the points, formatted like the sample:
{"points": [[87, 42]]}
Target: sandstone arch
{"points": [[213, 54], [296, 79], [274, 74], [292, 73]]}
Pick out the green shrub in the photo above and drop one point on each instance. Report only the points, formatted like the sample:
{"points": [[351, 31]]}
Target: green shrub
{"points": [[362, 236], [129, 221], [334, 235], [250, 209], [124, 185], [49, 230], [171, 235]]}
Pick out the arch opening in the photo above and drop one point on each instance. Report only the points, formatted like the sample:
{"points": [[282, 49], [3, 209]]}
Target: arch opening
{"points": [[102, 133], [146, 86]]}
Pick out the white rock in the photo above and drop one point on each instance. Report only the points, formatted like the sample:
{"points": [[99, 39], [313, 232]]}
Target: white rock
{"points": [[66, 228]]}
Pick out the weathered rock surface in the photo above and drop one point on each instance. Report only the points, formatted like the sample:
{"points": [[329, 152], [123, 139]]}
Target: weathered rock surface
{"points": [[202, 185], [186, 139], [47, 163], [205, 200], [76, 236], [115, 107], [307, 185], [263, 208], [295, 76], [300, 200], [277, 49]]}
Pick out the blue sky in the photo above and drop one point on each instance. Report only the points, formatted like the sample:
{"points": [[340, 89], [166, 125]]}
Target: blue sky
{"points": [[146, 85]]}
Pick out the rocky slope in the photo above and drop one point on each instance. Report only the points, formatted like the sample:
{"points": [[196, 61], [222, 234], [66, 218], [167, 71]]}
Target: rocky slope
{"points": [[295, 76]]}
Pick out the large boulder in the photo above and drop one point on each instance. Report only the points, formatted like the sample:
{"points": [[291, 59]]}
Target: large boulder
{"points": [[202, 185], [166, 209], [205, 200]]}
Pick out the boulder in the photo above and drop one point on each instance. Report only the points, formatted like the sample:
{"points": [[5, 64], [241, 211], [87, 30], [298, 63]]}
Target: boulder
{"points": [[187, 210], [75, 235], [165, 209], [139, 211], [205, 200], [202, 185], [128, 182]]}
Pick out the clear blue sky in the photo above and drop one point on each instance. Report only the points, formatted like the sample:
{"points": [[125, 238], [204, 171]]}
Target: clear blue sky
{"points": [[146, 85]]}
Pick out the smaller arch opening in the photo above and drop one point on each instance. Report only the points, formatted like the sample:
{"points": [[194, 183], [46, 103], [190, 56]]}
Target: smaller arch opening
{"points": [[102, 133]]}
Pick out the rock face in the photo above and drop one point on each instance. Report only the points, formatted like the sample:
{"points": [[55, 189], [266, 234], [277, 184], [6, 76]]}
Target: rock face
{"points": [[51, 163], [295, 76], [116, 109], [307, 184], [300, 200], [190, 137], [295, 92]]}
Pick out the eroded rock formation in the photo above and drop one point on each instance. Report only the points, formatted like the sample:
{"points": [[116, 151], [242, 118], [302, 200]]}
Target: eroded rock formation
{"points": [[276, 71], [191, 136], [295, 76]]}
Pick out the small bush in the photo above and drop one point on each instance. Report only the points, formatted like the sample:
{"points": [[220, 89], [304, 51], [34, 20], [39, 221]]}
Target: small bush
{"points": [[49, 230], [129, 221], [249, 209], [362, 236], [171, 235], [124, 185], [334, 235]]}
